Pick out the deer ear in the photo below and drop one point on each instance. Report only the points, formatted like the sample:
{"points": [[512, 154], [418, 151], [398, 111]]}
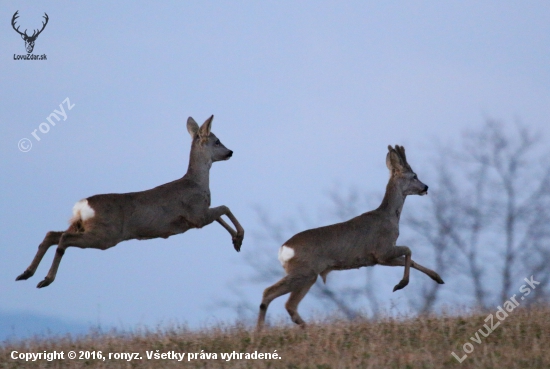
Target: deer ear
{"points": [[204, 131], [388, 162], [393, 162], [401, 151], [192, 127]]}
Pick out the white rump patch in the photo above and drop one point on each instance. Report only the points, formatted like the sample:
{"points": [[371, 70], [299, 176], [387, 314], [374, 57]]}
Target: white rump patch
{"points": [[82, 211], [285, 254]]}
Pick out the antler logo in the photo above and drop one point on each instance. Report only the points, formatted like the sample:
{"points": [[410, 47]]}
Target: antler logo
{"points": [[29, 40]]}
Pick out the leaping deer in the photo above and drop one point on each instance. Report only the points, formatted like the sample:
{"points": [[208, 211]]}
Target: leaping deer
{"points": [[29, 40], [363, 241], [102, 221]]}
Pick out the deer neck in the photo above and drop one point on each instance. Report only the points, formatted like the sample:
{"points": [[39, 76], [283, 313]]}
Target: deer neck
{"points": [[393, 200], [199, 167]]}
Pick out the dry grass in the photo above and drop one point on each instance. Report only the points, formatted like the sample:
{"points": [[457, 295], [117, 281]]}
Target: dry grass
{"points": [[521, 341]]}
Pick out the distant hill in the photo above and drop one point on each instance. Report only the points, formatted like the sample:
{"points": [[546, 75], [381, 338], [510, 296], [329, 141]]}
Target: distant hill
{"points": [[22, 325]]}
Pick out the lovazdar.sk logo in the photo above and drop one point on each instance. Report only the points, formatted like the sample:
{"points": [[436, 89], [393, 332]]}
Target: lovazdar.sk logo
{"points": [[29, 40]]}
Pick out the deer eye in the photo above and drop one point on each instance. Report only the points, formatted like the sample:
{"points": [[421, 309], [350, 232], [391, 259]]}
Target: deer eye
{"points": [[217, 143], [415, 177]]}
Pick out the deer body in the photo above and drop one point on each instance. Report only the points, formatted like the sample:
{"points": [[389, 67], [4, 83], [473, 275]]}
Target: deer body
{"points": [[159, 212], [347, 245], [103, 221], [366, 240]]}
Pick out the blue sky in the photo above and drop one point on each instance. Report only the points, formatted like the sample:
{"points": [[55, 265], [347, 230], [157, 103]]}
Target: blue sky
{"points": [[307, 94]]}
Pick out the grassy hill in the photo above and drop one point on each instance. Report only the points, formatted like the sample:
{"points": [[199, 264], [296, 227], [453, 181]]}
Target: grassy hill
{"points": [[521, 340]]}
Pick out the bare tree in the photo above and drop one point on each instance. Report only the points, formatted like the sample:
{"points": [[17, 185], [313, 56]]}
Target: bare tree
{"points": [[489, 215], [435, 225]]}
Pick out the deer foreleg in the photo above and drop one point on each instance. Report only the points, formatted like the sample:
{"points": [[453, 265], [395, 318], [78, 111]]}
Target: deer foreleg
{"points": [[400, 261], [430, 273], [405, 280], [239, 236], [231, 231], [398, 252], [214, 214]]}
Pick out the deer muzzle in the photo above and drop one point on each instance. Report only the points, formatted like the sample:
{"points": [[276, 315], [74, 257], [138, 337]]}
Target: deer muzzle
{"points": [[425, 191]]}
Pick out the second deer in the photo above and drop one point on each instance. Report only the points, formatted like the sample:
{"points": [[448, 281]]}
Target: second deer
{"points": [[366, 240]]}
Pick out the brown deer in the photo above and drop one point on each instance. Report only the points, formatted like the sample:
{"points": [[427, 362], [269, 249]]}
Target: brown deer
{"points": [[102, 221], [366, 240]]}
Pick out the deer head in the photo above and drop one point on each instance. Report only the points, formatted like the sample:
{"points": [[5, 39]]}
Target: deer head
{"points": [[29, 40], [205, 142], [401, 171]]}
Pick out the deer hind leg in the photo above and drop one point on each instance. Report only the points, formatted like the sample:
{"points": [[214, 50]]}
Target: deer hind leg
{"points": [[52, 238], [83, 240], [289, 283], [295, 297], [271, 293]]}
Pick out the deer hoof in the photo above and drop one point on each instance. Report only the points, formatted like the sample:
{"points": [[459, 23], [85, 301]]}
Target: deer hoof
{"points": [[237, 242], [400, 285], [46, 282], [438, 279], [26, 275]]}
